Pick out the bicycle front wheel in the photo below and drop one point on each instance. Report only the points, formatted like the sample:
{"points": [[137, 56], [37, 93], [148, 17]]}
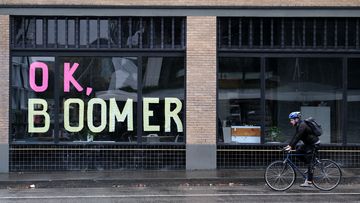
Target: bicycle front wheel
{"points": [[279, 176], [327, 174]]}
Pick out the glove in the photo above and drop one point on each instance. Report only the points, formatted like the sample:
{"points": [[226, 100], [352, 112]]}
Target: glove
{"points": [[287, 148]]}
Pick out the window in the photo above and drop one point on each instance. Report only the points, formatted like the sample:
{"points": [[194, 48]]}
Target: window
{"points": [[88, 99], [239, 100], [95, 96], [300, 65]]}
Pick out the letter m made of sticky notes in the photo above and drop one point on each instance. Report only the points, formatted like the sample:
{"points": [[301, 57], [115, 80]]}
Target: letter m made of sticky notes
{"points": [[32, 112]]}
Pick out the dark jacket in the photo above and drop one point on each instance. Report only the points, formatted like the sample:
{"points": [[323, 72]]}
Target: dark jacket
{"points": [[303, 133]]}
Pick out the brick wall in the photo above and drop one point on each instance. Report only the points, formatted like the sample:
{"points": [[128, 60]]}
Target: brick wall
{"points": [[201, 80], [4, 78], [188, 2]]}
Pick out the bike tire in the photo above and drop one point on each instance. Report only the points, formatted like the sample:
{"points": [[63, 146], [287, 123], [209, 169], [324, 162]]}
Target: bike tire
{"points": [[279, 175], [327, 175]]}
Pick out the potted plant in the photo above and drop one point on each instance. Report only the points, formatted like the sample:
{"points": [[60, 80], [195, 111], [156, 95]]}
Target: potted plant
{"points": [[274, 134]]}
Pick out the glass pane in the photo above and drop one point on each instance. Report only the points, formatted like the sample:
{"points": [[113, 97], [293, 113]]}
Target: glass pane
{"points": [[178, 32], [93, 33], [104, 33], [114, 32], [71, 33], [353, 104], [239, 109], [310, 85], [83, 33], [277, 32], [136, 31], [352, 33], [341, 35], [299, 34], [157, 33], [146, 36], [18, 32], [167, 32], [309, 32], [39, 32], [51, 33], [29, 32], [330, 35], [223, 31], [125, 39], [256, 31], [163, 90], [41, 128], [108, 93], [267, 31], [320, 37], [61, 33]]}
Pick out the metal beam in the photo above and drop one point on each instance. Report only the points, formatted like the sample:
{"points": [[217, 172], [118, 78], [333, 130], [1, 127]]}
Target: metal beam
{"points": [[175, 11]]}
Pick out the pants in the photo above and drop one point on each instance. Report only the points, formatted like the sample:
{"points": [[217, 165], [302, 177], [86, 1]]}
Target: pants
{"points": [[309, 152]]}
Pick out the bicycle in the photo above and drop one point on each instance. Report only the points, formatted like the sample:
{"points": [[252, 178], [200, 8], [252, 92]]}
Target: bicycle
{"points": [[281, 175]]}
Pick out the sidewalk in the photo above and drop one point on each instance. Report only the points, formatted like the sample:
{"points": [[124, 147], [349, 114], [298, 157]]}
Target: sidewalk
{"points": [[118, 178]]}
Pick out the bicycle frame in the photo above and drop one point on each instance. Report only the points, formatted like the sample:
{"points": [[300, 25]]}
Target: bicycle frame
{"points": [[291, 163]]}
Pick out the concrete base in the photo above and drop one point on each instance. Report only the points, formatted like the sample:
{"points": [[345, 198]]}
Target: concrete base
{"points": [[199, 157], [4, 158]]}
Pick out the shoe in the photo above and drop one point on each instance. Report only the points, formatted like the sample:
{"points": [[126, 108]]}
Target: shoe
{"points": [[306, 184]]}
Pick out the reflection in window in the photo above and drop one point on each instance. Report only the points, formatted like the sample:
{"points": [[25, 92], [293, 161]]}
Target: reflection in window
{"points": [[353, 102], [164, 81], [239, 109], [109, 77], [21, 92], [310, 85]]}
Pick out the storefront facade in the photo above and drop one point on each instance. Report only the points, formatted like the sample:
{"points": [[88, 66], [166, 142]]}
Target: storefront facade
{"points": [[184, 86]]}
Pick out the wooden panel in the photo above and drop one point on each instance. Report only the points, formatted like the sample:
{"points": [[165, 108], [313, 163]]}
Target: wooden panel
{"points": [[250, 131]]}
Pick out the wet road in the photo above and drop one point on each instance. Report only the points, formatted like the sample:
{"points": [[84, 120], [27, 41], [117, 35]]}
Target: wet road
{"points": [[183, 193]]}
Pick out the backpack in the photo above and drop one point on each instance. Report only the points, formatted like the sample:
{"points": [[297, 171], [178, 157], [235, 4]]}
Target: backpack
{"points": [[315, 127]]}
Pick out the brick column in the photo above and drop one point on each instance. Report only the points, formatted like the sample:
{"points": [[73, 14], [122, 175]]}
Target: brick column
{"points": [[201, 92], [4, 102]]}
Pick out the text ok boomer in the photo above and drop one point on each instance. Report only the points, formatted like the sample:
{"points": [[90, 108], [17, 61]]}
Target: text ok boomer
{"points": [[114, 115]]}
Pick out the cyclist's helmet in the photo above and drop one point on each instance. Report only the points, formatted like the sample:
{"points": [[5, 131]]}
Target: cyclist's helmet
{"points": [[295, 114]]}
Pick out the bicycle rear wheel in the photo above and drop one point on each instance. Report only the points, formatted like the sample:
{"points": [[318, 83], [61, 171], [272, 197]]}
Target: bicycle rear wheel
{"points": [[279, 176], [327, 175]]}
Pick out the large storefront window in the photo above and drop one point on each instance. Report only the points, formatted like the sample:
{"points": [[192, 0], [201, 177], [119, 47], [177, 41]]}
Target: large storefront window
{"points": [[310, 85], [239, 100], [353, 101], [313, 86], [106, 79], [303, 68], [92, 98], [24, 96]]}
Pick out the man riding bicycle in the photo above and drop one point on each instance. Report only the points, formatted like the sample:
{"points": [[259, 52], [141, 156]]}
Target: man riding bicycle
{"points": [[311, 143]]}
